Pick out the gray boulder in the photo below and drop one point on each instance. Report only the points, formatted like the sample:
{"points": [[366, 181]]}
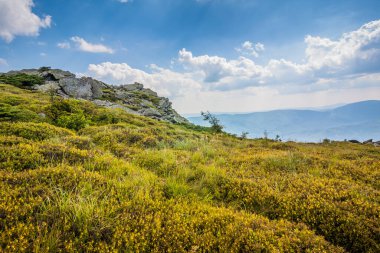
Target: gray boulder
{"points": [[132, 87], [48, 86], [150, 112], [146, 104], [56, 74], [164, 104], [109, 104], [179, 119], [121, 94], [42, 115], [150, 92], [85, 87]]}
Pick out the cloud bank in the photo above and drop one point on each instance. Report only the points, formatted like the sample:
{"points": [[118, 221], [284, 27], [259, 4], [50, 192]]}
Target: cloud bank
{"points": [[351, 61], [17, 19]]}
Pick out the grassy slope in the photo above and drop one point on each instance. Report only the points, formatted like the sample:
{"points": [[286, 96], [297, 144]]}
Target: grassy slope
{"points": [[118, 181]]}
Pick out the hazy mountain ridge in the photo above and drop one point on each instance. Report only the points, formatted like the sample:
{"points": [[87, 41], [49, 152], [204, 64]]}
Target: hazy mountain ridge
{"points": [[359, 120]]}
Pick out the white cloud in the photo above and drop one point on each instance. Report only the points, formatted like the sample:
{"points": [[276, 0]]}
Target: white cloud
{"points": [[350, 62], [356, 53], [64, 45], [166, 82], [85, 46], [250, 49], [17, 18], [124, 1], [218, 71], [353, 52], [259, 47]]}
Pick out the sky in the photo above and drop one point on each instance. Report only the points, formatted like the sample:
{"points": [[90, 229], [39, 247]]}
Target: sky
{"points": [[215, 55]]}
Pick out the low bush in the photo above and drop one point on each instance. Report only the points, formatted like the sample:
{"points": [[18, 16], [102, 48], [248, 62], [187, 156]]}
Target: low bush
{"points": [[21, 79], [81, 214], [17, 113], [33, 131]]}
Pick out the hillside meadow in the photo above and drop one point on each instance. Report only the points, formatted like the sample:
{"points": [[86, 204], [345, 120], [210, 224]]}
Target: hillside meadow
{"points": [[75, 177]]}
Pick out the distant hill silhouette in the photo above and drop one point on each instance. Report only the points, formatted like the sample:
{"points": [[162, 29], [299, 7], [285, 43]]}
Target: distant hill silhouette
{"points": [[359, 120]]}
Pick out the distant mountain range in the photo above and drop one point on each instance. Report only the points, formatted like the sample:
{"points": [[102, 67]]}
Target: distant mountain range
{"points": [[359, 121]]}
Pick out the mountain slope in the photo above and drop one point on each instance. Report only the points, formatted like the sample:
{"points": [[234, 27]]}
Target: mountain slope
{"points": [[78, 177], [354, 121]]}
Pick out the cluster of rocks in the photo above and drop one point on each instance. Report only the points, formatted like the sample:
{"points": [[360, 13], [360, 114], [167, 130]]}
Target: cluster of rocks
{"points": [[370, 142], [133, 98]]}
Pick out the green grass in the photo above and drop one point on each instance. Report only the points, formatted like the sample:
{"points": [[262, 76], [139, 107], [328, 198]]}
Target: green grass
{"points": [[110, 181]]}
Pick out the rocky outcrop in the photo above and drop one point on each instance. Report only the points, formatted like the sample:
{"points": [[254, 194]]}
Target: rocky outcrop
{"points": [[367, 142], [84, 87], [133, 98], [48, 74], [132, 87]]}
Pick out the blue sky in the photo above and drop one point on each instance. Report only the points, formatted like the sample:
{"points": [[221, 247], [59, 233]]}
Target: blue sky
{"points": [[217, 55]]}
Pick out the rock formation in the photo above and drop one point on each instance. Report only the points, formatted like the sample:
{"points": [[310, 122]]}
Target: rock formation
{"points": [[133, 98]]}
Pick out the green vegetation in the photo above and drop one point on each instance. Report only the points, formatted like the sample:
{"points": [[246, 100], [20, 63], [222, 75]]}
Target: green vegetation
{"points": [[80, 178], [21, 80], [43, 69], [214, 122]]}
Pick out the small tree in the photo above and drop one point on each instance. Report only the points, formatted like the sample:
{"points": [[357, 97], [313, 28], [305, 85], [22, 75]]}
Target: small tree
{"points": [[214, 121], [244, 135]]}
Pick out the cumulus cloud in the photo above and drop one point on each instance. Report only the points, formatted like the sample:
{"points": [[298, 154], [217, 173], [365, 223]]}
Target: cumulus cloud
{"points": [[85, 46], [166, 82], [17, 18], [218, 70], [354, 54], [250, 49], [351, 61], [356, 51]]}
